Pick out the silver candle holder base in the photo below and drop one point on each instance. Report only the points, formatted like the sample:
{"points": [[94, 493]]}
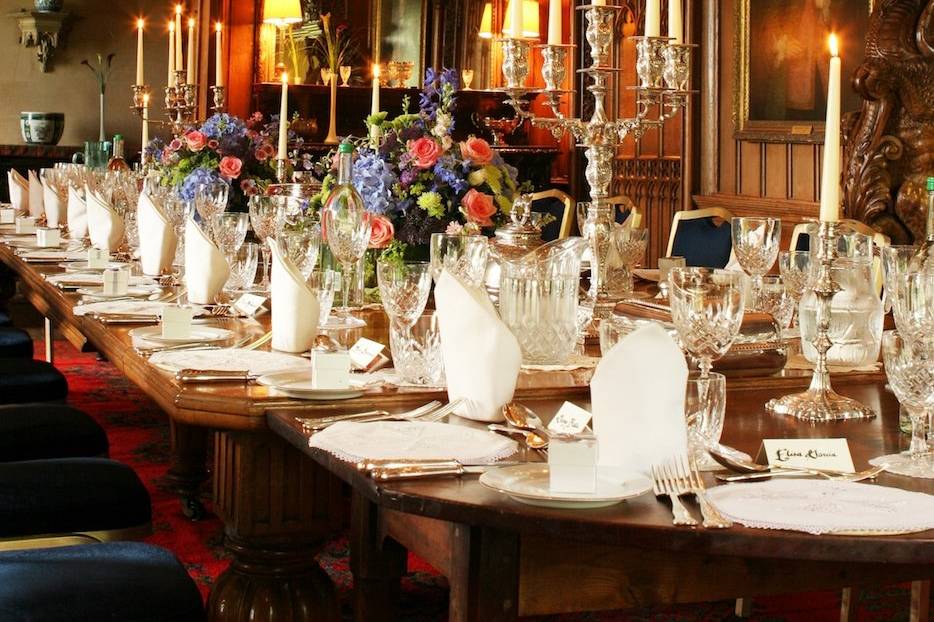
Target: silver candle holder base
{"points": [[820, 403], [219, 96]]}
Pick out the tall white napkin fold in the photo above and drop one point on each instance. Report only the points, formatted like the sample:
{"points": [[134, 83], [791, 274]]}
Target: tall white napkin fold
{"points": [[295, 307], [637, 396], [105, 225], [53, 205], [36, 202], [206, 269], [19, 192], [481, 355], [77, 215], [157, 239]]}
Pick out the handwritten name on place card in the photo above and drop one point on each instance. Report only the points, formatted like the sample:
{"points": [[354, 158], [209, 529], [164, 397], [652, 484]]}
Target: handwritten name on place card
{"points": [[814, 453]]}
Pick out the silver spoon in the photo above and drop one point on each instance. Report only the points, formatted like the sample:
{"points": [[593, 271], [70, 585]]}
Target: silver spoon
{"points": [[523, 417], [734, 460], [531, 439]]}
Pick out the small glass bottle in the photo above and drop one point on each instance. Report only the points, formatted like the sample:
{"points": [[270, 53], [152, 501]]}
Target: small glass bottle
{"points": [[117, 163]]}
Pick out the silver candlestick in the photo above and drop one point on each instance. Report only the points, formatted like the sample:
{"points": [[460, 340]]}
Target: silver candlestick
{"points": [[601, 134], [820, 402], [220, 98]]}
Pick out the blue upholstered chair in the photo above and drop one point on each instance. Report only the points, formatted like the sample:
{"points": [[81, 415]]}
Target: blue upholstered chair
{"points": [[70, 501], [626, 211], [702, 237], [4, 318], [27, 380], [126, 581], [559, 205], [15, 343], [41, 431]]}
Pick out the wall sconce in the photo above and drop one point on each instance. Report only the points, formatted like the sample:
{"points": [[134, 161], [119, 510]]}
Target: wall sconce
{"points": [[43, 30]]}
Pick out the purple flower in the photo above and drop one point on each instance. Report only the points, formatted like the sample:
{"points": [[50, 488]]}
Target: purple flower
{"points": [[374, 180], [449, 176]]}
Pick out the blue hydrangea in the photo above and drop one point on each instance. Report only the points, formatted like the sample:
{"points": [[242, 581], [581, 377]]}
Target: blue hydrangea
{"points": [[374, 180], [229, 131], [196, 178]]}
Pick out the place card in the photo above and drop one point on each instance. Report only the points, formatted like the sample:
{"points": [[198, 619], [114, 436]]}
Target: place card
{"points": [[25, 224], [330, 370], [572, 463], [7, 215], [249, 304], [116, 281], [176, 321], [48, 236], [97, 259], [832, 454], [570, 419], [366, 354]]}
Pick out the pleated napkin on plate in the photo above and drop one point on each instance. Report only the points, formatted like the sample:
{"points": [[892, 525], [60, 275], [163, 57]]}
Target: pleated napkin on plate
{"points": [[77, 215], [35, 195], [157, 239], [637, 397], [19, 192], [105, 225], [206, 269], [52, 204], [295, 307], [481, 355]]}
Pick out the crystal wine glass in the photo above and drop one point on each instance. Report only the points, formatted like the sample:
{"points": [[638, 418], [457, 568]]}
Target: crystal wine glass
{"points": [[242, 262], [464, 256], [630, 245], [707, 310], [467, 75], [345, 224], [704, 409], [913, 303], [776, 299], [345, 74], [324, 283], [756, 244], [326, 76], [909, 366], [896, 258], [266, 215], [795, 268], [211, 199], [302, 246], [229, 230], [403, 288], [178, 210]]}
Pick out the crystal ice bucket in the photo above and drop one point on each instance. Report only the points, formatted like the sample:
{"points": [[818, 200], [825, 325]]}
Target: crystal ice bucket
{"points": [[538, 299]]}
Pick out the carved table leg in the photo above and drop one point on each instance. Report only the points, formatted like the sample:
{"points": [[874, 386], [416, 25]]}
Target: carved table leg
{"points": [[377, 563], [188, 468], [485, 575], [278, 508]]}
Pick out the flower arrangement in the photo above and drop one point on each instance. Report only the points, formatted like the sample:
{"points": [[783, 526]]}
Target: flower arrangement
{"points": [[419, 181], [224, 148]]}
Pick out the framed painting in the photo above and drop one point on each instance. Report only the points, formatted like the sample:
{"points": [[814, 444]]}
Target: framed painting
{"points": [[782, 61]]}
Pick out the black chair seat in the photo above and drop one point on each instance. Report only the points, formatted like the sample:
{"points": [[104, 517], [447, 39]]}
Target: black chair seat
{"points": [[24, 381], [125, 581], [40, 431], [5, 319], [15, 344], [70, 495], [704, 242]]}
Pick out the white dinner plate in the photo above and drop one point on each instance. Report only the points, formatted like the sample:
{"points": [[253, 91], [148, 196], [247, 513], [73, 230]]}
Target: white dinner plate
{"points": [[131, 292], [528, 483], [298, 384], [82, 266], [199, 334], [647, 274]]}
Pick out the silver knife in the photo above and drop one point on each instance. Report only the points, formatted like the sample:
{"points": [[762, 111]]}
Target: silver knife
{"points": [[444, 468]]}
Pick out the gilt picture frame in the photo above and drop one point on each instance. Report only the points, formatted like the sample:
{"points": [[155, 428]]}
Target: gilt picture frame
{"points": [[782, 60]]}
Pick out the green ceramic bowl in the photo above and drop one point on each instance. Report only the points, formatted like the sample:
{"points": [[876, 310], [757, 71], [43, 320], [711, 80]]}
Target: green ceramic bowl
{"points": [[42, 128]]}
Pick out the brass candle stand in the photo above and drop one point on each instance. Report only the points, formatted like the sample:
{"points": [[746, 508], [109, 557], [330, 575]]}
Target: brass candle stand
{"points": [[180, 102], [664, 70], [820, 403]]}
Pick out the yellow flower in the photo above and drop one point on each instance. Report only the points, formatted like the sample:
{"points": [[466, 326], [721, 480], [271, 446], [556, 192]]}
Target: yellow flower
{"points": [[431, 203], [477, 177]]}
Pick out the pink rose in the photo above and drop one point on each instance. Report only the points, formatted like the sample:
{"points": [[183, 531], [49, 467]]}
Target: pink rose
{"points": [[478, 207], [230, 167], [196, 140], [381, 232], [261, 154], [248, 186], [175, 145], [477, 150], [424, 152], [213, 144]]}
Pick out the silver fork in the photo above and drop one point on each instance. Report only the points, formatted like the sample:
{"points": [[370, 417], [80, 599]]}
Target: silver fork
{"points": [[317, 424], [689, 481], [663, 486]]}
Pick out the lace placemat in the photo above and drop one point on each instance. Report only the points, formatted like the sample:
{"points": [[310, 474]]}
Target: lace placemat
{"points": [[819, 507], [798, 361], [124, 307], [577, 361], [254, 362], [411, 440], [80, 278]]}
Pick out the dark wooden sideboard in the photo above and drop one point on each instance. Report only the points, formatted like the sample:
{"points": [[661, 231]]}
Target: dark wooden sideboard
{"points": [[25, 157]]}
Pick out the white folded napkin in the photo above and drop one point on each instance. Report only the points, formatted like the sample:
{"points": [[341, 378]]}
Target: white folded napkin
{"points": [[637, 397], [157, 239], [19, 192], [206, 269], [77, 215], [52, 204], [36, 202], [295, 307], [481, 355], [105, 225]]}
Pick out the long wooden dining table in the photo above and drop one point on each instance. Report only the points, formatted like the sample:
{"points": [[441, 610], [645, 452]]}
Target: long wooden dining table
{"points": [[281, 500]]}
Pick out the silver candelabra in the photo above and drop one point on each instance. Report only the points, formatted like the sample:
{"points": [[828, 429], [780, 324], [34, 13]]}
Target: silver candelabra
{"points": [[181, 102], [664, 70]]}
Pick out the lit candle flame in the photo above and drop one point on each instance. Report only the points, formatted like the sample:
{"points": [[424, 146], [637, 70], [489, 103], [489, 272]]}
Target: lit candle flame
{"points": [[285, 77], [218, 26], [832, 42], [171, 26], [146, 100], [375, 70], [178, 9], [191, 22], [140, 23]]}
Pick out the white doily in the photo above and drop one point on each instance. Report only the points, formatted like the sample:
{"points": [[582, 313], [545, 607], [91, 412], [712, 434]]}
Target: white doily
{"points": [[80, 278], [824, 506], [123, 307], [254, 362], [411, 440]]}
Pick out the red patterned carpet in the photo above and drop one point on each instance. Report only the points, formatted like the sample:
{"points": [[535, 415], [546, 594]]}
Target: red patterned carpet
{"points": [[138, 433]]}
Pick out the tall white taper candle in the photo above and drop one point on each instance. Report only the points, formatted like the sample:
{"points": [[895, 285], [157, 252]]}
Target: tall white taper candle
{"points": [[140, 79], [830, 175], [675, 23], [170, 81], [283, 152], [555, 25], [192, 58], [219, 55], [179, 58], [653, 18]]}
